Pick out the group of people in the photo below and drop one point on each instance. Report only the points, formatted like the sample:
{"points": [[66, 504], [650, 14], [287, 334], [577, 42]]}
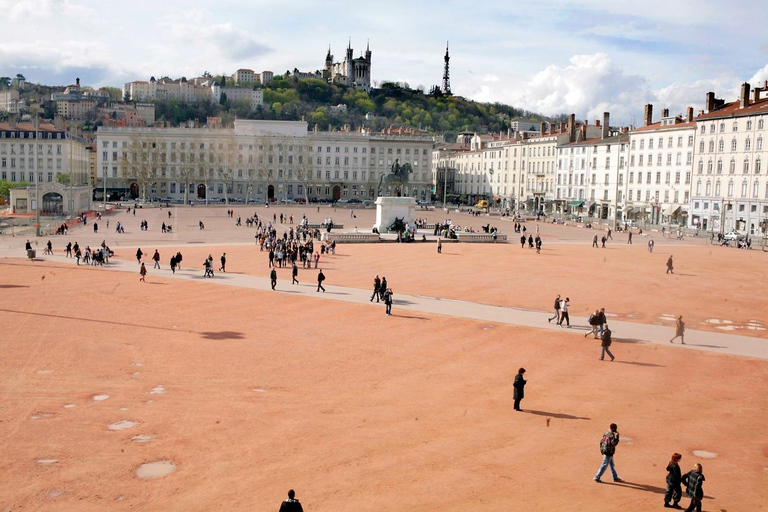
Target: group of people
{"points": [[382, 292], [532, 242]]}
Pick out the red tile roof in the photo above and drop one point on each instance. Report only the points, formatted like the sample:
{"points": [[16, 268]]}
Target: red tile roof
{"points": [[659, 127], [29, 127], [732, 110]]}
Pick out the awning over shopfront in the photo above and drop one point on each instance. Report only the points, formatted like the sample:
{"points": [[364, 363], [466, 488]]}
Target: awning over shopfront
{"points": [[671, 210], [575, 203], [629, 209]]}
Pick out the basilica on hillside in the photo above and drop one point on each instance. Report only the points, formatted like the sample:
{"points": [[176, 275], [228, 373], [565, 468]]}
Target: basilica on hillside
{"points": [[352, 72]]}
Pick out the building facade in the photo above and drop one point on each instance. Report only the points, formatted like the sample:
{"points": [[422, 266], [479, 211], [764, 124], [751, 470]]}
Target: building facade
{"points": [[257, 161], [352, 72], [9, 101]]}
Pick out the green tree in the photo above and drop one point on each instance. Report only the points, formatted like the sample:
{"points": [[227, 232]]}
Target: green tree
{"points": [[63, 178]]}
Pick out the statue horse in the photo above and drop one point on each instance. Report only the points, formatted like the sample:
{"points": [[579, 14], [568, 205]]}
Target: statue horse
{"points": [[398, 177]]}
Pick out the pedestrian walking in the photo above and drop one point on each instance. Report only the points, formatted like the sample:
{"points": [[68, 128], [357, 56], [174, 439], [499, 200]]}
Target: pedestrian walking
{"points": [[142, 272], [530, 241], [519, 386], [291, 504], [564, 313], [49, 246], [68, 252], [376, 288], [609, 234], [294, 274], [604, 239], [178, 260], [674, 483], [139, 254], [522, 242], [608, 448], [594, 242], [320, 279], [223, 267], [650, 246], [383, 287], [670, 265], [273, 277], [605, 344], [594, 323], [388, 300], [629, 238], [439, 246], [693, 481], [679, 330], [557, 311], [156, 259], [173, 264]]}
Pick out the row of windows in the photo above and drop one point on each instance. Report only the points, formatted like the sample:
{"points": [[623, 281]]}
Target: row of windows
{"points": [[659, 159], [744, 188], [734, 145], [656, 196], [12, 163], [22, 176], [731, 167], [12, 148], [660, 142], [31, 135], [734, 126]]}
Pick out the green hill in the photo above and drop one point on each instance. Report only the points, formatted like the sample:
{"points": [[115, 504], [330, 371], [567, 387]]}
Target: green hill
{"points": [[390, 104]]}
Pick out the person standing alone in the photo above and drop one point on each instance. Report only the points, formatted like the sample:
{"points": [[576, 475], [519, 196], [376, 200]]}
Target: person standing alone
{"points": [[156, 259], [294, 274], [142, 272], [439, 246], [608, 448], [519, 386], [273, 277], [223, 262], [670, 265], [388, 301], [320, 279], [291, 504]]}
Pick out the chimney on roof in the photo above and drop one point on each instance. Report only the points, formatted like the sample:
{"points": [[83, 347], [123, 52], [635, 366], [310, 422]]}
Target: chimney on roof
{"points": [[12, 121], [648, 115], [572, 128], [664, 112], [606, 125], [542, 128], [744, 96], [689, 115], [597, 123], [709, 103]]}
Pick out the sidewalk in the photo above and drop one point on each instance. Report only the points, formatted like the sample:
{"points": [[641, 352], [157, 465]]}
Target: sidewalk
{"points": [[623, 332]]}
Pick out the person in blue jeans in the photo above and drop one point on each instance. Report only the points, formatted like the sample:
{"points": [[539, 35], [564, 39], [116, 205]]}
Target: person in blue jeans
{"points": [[608, 449]]}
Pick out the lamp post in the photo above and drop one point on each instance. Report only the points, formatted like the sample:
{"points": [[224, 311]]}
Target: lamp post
{"points": [[37, 174]]}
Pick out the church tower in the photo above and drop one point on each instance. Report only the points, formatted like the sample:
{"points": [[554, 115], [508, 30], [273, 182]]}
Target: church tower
{"points": [[349, 71], [328, 70], [446, 89]]}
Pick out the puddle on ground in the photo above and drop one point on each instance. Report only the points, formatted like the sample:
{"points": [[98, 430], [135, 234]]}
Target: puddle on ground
{"points": [[627, 440], [705, 454], [40, 416], [53, 493], [122, 425], [47, 462], [100, 398], [124, 409], [153, 470], [260, 390], [142, 438], [727, 327], [157, 390], [69, 406], [717, 321], [44, 372]]}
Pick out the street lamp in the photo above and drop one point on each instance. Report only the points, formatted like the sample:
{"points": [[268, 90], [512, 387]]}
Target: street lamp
{"points": [[37, 174]]}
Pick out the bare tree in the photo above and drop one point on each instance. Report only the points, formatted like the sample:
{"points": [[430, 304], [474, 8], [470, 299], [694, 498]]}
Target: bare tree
{"points": [[140, 161], [201, 167], [227, 157], [185, 172]]}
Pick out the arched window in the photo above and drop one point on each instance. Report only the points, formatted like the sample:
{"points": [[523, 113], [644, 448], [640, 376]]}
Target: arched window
{"points": [[732, 167], [701, 146], [717, 188], [709, 188], [759, 143], [746, 166], [760, 124], [733, 145], [755, 189], [721, 145], [719, 167], [747, 144], [712, 128], [744, 188], [711, 146], [730, 188], [749, 125], [701, 166], [709, 167], [757, 166], [698, 188], [722, 127]]}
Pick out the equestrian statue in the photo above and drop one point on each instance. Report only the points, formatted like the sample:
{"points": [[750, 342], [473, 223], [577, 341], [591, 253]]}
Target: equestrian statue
{"points": [[397, 178]]}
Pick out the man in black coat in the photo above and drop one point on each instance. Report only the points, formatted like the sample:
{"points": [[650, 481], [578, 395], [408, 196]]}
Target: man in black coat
{"points": [[519, 386], [291, 504]]}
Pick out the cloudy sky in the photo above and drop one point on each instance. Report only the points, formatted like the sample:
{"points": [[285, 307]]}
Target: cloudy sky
{"points": [[551, 57]]}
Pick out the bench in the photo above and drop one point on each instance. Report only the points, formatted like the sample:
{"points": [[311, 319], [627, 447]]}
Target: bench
{"points": [[353, 237], [480, 237]]}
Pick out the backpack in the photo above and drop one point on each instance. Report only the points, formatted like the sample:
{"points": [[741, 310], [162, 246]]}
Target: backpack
{"points": [[606, 444], [591, 319]]}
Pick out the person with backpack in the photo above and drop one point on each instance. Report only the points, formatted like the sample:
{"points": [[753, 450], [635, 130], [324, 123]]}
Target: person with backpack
{"points": [[605, 344], [320, 279], [594, 323], [693, 481], [608, 448], [674, 479], [519, 386]]}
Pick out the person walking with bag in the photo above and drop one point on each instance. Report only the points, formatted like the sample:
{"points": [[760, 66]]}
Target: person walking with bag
{"points": [[608, 448], [519, 386], [679, 330], [674, 479], [606, 343], [320, 279]]}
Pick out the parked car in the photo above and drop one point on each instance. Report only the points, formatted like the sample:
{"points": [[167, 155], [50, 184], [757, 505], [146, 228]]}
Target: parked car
{"points": [[354, 200], [300, 200], [313, 200], [733, 235], [343, 200], [422, 202]]}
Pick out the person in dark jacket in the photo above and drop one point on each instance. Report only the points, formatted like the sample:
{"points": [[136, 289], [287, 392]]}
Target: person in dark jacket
{"points": [[557, 310], [594, 324], [320, 279], [670, 266], [295, 274], [605, 344], [674, 479], [693, 481], [376, 289], [388, 301], [273, 277], [291, 504], [519, 386]]}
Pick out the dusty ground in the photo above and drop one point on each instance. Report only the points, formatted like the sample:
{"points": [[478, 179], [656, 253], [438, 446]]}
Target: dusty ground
{"points": [[265, 391]]}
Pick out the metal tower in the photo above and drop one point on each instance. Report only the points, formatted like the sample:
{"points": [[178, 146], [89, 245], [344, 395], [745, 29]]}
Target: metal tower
{"points": [[446, 89]]}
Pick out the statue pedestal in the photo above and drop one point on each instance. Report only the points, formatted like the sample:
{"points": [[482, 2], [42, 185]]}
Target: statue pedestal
{"points": [[387, 208]]}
